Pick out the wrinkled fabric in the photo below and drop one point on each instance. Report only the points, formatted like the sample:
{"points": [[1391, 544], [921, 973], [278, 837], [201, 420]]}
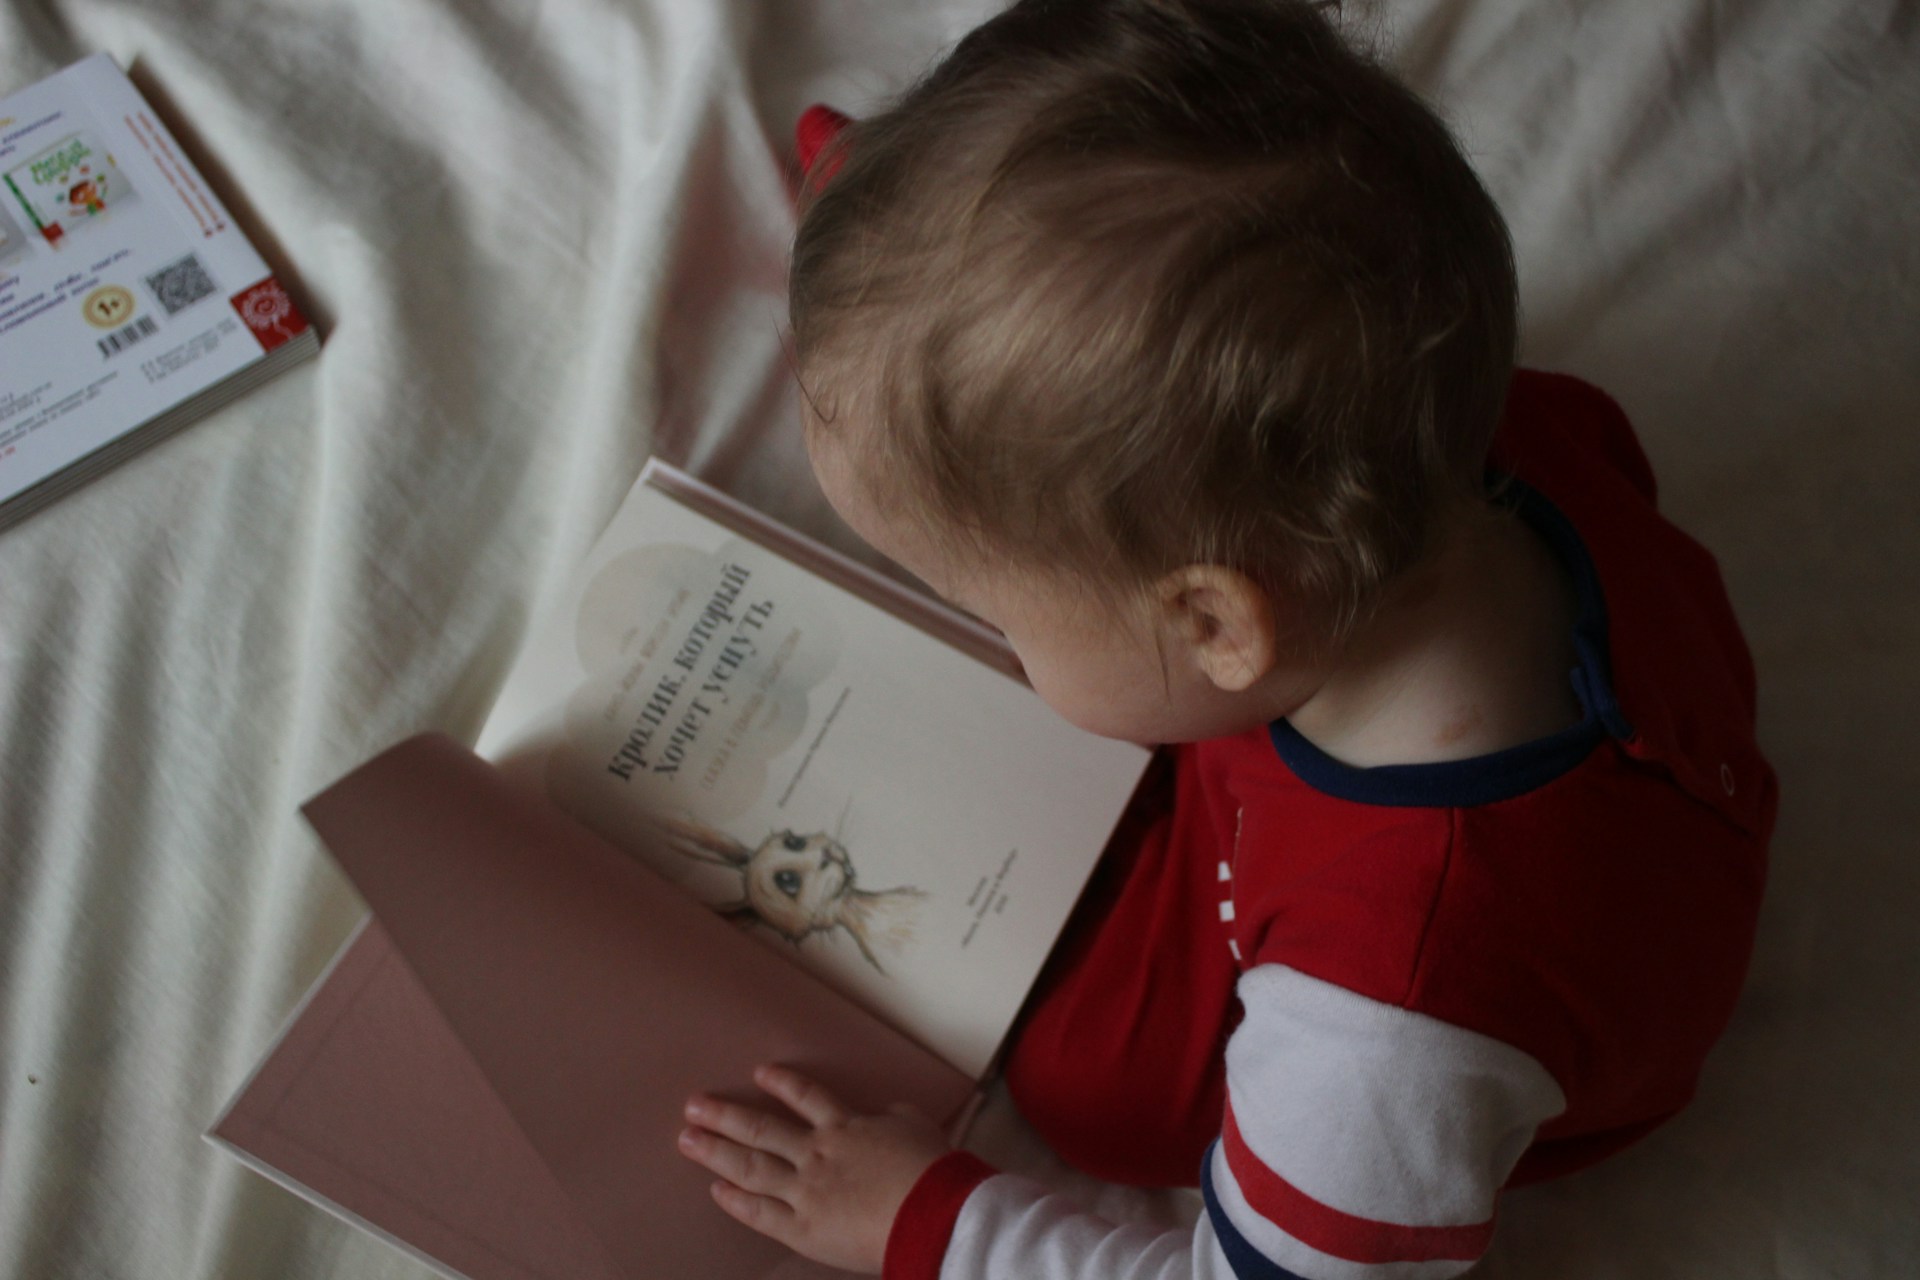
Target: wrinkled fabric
{"points": [[546, 238]]}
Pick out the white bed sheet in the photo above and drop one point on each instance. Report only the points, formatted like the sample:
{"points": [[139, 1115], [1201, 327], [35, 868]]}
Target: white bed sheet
{"points": [[546, 236]]}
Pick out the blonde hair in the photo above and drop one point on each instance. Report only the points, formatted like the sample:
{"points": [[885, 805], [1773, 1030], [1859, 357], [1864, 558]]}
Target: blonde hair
{"points": [[1124, 285]]}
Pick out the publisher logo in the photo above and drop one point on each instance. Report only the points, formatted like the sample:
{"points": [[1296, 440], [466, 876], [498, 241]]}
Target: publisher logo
{"points": [[269, 313], [107, 307]]}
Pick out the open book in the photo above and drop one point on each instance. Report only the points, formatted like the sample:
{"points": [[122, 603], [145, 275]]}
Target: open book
{"points": [[742, 801]]}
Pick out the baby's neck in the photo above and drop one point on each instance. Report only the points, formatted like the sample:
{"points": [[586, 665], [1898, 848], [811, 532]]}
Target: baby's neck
{"points": [[1468, 656]]}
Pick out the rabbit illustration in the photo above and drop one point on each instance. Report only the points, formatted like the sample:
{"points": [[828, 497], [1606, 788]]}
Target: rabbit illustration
{"points": [[799, 885]]}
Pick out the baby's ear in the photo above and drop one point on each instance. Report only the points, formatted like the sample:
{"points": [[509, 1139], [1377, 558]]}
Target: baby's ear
{"points": [[1224, 623]]}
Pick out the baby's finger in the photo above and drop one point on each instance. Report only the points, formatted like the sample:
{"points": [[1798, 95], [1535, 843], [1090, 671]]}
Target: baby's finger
{"points": [[768, 1216], [754, 1171], [750, 1126], [810, 1100]]}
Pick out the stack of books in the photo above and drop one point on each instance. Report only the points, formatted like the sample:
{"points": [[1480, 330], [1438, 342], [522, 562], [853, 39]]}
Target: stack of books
{"points": [[130, 303]]}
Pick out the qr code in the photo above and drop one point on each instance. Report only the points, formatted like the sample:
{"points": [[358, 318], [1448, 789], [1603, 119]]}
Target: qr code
{"points": [[181, 285]]}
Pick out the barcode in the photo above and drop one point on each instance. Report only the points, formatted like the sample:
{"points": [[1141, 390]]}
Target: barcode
{"points": [[180, 285], [144, 327]]}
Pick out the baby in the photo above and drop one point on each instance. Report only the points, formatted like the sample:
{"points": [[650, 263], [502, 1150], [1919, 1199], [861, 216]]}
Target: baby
{"points": [[1175, 339]]}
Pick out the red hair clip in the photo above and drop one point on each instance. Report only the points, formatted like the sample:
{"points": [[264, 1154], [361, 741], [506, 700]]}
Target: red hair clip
{"points": [[818, 125]]}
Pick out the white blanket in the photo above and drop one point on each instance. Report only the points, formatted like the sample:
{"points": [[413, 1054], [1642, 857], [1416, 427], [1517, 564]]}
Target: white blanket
{"points": [[546, 237]]}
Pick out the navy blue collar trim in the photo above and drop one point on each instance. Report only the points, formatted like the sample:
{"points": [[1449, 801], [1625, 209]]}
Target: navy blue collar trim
{"points": [[1248, 1263], [1501, 775]]}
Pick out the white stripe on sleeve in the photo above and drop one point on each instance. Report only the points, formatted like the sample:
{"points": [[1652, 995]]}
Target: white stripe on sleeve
{"points": [[1012, 1227], [1371, 1143], [1376, 1112]]}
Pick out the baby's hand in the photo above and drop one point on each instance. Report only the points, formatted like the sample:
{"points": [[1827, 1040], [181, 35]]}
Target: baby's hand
{"points": [[829, 1187]]}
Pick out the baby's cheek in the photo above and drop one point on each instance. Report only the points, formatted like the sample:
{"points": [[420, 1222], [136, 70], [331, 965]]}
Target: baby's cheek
{"points": [[1092, 708], [1055, 692]]}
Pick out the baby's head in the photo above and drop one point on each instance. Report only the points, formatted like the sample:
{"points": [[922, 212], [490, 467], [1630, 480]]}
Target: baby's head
{"points": [[1164, 334]]}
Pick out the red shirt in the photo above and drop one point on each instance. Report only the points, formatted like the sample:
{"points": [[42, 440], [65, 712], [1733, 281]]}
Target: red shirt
{"points": [[1454, 976]]}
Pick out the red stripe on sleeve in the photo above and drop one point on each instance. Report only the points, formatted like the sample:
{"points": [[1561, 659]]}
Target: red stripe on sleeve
{"points": [[1342, 1234], [917, 1244]]}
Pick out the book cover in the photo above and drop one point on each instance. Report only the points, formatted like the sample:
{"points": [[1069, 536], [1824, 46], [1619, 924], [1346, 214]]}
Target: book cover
{"points": [[130, 303], [67, 185], [493, 1072]]}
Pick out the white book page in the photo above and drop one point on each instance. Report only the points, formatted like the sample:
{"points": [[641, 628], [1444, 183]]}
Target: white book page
{"points": [[906, 822]]}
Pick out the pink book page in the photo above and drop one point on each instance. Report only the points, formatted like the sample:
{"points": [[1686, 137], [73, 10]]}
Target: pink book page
{"points": [[591, 998], [370, 1104]]}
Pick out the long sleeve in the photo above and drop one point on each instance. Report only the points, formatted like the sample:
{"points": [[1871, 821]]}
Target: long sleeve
{"points": [[1014, 1227], [1361, 1141]]}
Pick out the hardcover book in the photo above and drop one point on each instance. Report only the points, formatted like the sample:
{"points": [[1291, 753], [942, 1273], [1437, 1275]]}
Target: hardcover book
{"points": [[130, 303], [740, 800]]}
